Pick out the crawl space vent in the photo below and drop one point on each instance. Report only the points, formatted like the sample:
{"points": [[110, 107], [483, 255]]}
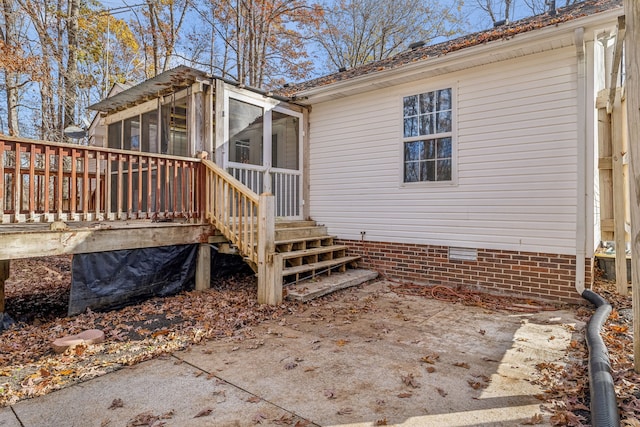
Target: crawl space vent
{"points": [[463, 254]]}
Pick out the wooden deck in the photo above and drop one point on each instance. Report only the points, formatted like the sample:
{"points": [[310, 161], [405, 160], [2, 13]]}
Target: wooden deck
{"points": [[25, 240], [67, 199]]}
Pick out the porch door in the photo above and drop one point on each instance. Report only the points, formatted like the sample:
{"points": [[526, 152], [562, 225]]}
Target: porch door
{"points": [[265, 151]]}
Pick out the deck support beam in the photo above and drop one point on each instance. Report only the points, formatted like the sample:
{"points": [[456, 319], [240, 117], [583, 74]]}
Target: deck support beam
{"points": [[269, 281], [203, 267]]}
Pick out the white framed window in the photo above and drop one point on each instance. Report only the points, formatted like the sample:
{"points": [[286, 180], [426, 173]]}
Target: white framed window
{"points": [[428, 136]]}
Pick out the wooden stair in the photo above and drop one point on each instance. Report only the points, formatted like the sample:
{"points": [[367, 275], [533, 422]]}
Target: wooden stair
{"points": [[307, 250]]}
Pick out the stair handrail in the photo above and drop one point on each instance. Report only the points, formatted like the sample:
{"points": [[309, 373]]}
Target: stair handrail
{"points": [[232, 208], [247, 220]]}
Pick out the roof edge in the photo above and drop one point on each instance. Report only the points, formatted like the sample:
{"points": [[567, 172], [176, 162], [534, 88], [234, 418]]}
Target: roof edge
{"points": [[540, 33]]}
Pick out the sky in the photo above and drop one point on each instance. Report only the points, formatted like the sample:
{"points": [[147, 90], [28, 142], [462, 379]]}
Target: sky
{"points": [[476, 18]]}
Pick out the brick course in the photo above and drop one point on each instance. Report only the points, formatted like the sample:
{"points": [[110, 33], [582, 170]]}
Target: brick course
{"points": [[535, 275]]}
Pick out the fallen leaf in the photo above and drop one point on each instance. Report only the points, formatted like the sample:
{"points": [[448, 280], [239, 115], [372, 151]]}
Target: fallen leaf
{"points": [[117, 403], [534, 420], [461, 365], [410, 381], [330, 394], [430, 358], [404, 395], [345, 411], [341, 343], [149, 419], [258, 418], [476, 385], [302, 423], [283, 420], [254, 399], [382, 422], [619, 329], [204, 413]]}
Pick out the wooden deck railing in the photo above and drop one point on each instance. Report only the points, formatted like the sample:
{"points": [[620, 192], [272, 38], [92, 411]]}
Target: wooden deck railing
{"points": [[247, 221], [46, 181], [232, 208]]}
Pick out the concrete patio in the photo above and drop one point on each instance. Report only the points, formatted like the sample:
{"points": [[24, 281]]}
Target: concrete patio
{"points": [[366, 357]]}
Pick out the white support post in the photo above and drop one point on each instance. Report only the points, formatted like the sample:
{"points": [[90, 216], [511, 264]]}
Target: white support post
{"points": [[203, 267], [269, 281]]}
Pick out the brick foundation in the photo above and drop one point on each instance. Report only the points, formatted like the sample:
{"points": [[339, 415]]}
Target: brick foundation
{"points": [[542, 276]]}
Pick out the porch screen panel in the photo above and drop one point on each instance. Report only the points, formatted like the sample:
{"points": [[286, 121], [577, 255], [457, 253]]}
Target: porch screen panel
{"points": [[131, 140], [285, 144], [174, 129], [246, 122], [114, 139], [149, 137]]}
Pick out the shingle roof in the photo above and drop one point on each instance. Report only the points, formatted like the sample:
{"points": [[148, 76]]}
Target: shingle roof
{"points": [[569, 13]]}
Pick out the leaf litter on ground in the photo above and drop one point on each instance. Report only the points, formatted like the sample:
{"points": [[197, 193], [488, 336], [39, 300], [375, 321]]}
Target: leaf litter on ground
{"points": [[37, 293]]}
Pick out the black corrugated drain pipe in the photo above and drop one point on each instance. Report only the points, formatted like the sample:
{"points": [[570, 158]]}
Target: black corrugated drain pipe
{"points": [[604, 408]]}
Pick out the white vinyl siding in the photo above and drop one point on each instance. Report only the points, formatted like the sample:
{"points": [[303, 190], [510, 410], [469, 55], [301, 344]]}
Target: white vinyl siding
{"points": [[515, 160]]}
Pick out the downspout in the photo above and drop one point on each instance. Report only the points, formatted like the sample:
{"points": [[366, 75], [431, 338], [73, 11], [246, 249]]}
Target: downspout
{"points": [[581, 158]]}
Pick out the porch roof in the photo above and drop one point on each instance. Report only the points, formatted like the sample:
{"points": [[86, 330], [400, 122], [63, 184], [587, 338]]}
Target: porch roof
{"points": [[176, 78]]}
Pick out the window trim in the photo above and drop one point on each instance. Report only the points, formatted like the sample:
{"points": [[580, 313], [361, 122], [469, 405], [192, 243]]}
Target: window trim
{"points": [[454, 135]]}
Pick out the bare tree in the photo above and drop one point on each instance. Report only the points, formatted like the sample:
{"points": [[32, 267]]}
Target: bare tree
{"points": [[260, 43], [354, 32], [157, 28], [498, 10], [71, 74], [11, 62]]}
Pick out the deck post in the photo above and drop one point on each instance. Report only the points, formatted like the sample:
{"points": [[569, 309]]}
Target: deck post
{"points": [[269, 286], [203, 267], [620, 190], [4, 275]]}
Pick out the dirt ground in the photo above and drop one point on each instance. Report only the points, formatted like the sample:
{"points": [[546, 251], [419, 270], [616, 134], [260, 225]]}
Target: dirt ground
{"points": [[37, 294]]}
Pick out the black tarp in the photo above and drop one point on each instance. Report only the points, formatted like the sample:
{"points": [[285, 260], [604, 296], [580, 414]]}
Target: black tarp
{"points": [[226, 265], [110, 280]]}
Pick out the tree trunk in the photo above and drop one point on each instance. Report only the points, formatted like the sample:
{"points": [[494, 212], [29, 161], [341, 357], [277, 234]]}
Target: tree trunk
{"points": [[12, 79], [154, 37], [71, 75], [632, 44]]}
